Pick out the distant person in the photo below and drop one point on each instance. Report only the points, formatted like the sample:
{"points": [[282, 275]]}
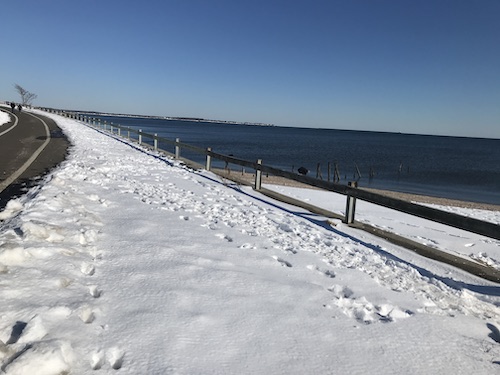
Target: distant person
{"points": [[12, 106], [19, 107]]}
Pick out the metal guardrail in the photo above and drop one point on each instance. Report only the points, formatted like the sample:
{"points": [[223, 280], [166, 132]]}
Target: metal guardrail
{"points": [[469, 224]]}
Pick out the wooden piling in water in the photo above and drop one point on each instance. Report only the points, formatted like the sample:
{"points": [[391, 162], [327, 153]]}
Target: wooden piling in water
{"points": [[318, 171], [357, 170]]}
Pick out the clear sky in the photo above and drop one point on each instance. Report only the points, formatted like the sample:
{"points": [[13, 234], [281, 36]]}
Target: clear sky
{"points": [[426, 66]]}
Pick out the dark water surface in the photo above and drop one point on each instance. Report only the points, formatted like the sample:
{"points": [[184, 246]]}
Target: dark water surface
{"points": [[449, 167]]}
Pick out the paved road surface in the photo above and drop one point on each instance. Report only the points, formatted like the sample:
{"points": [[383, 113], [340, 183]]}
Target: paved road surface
{"points": [[30, 146]]}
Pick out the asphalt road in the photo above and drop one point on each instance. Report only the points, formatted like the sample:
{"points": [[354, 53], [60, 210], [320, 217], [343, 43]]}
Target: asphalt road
{"points": [[30, 146]]}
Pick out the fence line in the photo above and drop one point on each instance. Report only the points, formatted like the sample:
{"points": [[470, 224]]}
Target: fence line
{"points": [[352, 192]]}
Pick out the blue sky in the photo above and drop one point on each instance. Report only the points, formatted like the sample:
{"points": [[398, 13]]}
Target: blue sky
{"points": [[427, 66]]}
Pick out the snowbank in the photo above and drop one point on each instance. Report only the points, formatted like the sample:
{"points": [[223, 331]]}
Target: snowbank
{"points": [[4, 118], [125, 260]]}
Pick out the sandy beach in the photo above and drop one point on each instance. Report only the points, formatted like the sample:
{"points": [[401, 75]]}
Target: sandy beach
{"points": [[246, 178]]}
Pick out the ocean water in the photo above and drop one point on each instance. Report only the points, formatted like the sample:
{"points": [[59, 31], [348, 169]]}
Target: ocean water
{"points": [[449, 167]]}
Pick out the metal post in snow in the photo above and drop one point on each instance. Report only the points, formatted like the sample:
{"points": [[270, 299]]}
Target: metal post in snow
{"points": [[258, 176], [156, 141], [208, 164], [350, 208], [177, 148], [140, 136]]}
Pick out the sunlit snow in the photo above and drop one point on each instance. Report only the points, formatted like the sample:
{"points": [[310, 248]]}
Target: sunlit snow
{"points": [[4, 118]]}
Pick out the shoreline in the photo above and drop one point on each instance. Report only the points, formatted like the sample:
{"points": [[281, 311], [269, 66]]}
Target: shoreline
{"points": [[246, 178], [436, 200]]}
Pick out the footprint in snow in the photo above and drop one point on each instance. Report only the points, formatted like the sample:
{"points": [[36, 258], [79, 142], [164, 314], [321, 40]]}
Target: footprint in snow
{"points": [[64, 282], [341, 291], [327, 273], [97, 360], [247, 246], [282, 261], [94, 291], [223, 236], [87, 315], [114, 356], [364, 311], [87, 269]]}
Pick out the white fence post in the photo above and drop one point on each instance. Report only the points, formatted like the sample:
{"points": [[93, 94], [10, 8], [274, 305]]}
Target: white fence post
{"points": [[140, 136], [156, 142], [208, 164], [258, 176], [350, 208]]}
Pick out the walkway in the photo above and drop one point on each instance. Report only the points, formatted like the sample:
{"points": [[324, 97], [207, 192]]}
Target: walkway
{"points": [[30, 146]]}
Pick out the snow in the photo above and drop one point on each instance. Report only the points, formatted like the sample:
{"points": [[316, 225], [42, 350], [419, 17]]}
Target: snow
{"points": [[125, 261], [4, 118]]}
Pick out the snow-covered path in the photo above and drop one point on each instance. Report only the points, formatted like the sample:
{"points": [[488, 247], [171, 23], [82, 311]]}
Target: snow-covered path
{"points": [[130, 262]]}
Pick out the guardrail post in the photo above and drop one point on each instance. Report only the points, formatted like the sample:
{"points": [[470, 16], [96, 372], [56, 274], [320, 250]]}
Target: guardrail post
{"points": [[350, 207], [208, 164], [140, 136], [177, 148], [258, 176], [119, 131], [156, 142]]}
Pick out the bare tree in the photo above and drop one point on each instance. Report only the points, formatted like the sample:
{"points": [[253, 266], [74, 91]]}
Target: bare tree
{"points": [[26, 96]]}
